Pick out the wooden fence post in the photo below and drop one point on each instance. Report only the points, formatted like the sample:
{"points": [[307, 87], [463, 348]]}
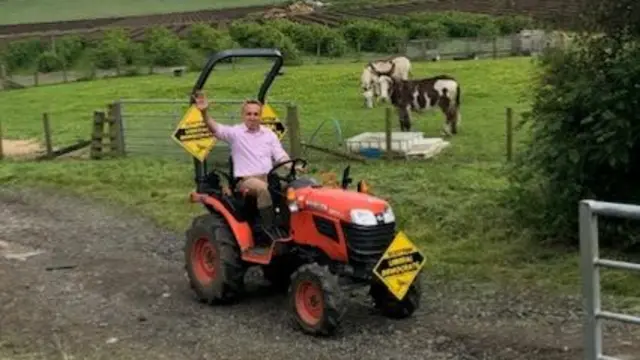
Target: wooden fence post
{"points": [[97, 134], [387, 123], [47, 134], [509, 133], [1, 151], [117, 131], [293, 125]]}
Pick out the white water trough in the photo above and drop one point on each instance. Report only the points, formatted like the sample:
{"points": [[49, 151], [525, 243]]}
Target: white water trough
{"points": [[412, 144]]}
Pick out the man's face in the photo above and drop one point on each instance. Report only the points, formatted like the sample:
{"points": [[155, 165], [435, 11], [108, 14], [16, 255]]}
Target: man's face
{"points": [[251, 116]]}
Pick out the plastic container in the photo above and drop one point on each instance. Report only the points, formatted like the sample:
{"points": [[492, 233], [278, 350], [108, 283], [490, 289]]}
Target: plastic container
{"points": [[371, 153]]}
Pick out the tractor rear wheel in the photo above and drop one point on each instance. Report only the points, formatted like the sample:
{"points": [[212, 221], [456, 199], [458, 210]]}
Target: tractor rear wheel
{"points": [[315, 300], [212, 260], [390, 306]]}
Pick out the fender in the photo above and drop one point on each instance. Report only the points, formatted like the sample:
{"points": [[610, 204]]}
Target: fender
{"points": [[241, 230]]}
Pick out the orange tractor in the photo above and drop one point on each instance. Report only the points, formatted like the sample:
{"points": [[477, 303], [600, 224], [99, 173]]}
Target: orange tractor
{"points": [[333, 239]]}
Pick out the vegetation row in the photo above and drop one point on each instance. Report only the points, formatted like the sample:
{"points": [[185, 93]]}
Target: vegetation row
{"points": [[162, 47]]}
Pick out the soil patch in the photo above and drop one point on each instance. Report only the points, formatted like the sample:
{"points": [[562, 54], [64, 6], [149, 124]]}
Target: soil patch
{"points": [[21, 148]]}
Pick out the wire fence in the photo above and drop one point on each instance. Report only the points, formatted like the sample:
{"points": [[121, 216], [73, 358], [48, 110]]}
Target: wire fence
{"points": [[148, 125], [523, 43], [41, 138], [144, 128], [526, 42]]}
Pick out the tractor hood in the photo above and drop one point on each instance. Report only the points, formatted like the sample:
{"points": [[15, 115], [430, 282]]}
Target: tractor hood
{"points": [[346, 205]]}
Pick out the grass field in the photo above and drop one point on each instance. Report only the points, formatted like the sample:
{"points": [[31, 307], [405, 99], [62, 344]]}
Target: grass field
{"points": [[25, 11], [450, 205]]}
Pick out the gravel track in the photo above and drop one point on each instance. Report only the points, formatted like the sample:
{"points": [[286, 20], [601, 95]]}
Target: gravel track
{"points": [[127, 297]]}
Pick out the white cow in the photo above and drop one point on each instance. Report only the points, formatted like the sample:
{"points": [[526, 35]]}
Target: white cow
{"points": [[398, 67]]}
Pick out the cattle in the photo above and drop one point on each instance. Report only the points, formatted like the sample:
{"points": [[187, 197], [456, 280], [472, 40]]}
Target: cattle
{"points": [[424, 94], [398, 67]]}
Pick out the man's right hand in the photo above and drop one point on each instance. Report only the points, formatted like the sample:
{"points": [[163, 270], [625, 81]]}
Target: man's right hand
{"points": [[201, 101], [202, 104]]}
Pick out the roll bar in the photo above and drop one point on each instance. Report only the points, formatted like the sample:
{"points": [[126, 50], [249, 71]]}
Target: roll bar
{"points": [[231, 53], [200, 168]]}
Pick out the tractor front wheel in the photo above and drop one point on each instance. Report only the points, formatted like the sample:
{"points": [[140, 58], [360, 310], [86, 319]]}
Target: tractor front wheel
{"points": [[315, 299], [212, 260], [390, 306]]}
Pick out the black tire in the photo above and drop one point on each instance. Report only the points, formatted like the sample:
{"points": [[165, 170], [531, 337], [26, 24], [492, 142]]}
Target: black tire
{"points": [[390, 306], [324, 288], [210, 235]]}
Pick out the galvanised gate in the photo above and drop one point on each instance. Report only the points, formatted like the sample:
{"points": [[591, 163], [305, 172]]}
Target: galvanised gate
{"points": [[590, 265]]}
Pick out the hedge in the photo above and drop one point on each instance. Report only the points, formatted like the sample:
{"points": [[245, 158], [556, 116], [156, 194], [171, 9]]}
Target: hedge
{"points": [[583, 136], [162, 47]]}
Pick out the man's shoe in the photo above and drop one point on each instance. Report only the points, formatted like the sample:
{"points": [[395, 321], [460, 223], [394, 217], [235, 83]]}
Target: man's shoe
{"points": [[268, 226]]}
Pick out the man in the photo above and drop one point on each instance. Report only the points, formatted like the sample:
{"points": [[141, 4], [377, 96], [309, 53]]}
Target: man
{"points": [[253, 149]]}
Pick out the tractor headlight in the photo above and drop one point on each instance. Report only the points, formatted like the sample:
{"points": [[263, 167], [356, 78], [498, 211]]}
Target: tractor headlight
{"points": [[363, 217], [388, 216]]}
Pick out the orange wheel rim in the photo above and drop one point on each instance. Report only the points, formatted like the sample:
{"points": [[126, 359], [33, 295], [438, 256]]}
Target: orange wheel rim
{"points": [[309, 302], [204, 259]]}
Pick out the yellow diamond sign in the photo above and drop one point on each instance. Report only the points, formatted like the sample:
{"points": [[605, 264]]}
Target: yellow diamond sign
{"points": [[270, 119], [193, 134], [399, 265]]}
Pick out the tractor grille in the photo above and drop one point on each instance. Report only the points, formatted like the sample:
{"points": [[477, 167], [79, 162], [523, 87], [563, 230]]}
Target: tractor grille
{"points": [[366, 244]]}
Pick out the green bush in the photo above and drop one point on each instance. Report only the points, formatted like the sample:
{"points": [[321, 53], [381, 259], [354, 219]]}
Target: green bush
{"points": [[115, 50], [514, 24], [22, 54], [457, 24], [418, 26], [374, 36], [253, 35], [208, 39], [312, 38], [49, 61], [162, 47], [69, 49], [461, 25], [584, 139]]}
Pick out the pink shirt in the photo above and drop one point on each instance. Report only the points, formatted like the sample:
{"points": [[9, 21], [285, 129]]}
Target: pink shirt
{"points": [[252, 152]]}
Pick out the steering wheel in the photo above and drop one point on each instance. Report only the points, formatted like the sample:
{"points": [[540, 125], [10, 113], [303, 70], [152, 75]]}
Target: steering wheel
{"points": [[292, 172]]}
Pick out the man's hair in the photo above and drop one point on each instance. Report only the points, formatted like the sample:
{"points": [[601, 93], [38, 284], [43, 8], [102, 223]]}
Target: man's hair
{"points": [[251, 102]]}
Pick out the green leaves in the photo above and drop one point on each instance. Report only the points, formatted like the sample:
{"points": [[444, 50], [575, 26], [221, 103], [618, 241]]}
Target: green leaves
{"points": [[584, 135]]}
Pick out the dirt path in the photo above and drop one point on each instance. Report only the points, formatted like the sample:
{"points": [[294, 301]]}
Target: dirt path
{"points": [[127, 297]]}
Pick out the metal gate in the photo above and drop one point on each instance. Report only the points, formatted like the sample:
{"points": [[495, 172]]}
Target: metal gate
{"points": [[147, 125], [590, 266]]}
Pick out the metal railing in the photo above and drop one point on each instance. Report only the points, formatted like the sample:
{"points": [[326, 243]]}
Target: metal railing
{"points": [[590, 267]]}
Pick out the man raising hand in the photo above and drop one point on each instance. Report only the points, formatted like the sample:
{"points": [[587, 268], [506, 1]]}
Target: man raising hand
{"points": [[254, 149]]}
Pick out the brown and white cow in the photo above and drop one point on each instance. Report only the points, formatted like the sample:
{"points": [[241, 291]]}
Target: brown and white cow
{"points": [[424, 94]]}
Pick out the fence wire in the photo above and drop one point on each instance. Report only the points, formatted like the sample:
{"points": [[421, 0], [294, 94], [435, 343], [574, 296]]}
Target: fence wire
{"points": [[148, 125], [43, 135]]}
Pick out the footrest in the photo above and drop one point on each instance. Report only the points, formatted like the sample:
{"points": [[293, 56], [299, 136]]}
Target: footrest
{"points": [[259, 250], [260, 254]]}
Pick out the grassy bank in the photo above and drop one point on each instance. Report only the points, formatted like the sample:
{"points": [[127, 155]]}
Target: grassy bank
{"points": [[450, 205]]}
